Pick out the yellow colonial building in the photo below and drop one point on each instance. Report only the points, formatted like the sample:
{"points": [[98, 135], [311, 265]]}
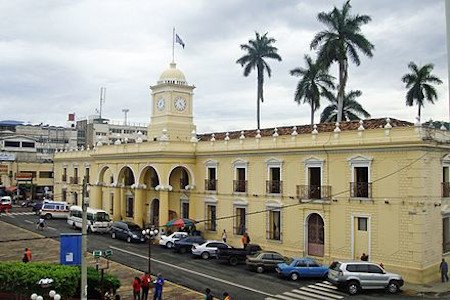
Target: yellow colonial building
{"points": [[334, 191]]}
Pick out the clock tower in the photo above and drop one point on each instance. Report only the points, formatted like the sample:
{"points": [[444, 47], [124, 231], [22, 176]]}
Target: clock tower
{"points": [[172, 106]]}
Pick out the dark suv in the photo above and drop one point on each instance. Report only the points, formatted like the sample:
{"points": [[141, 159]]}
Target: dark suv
{"points": [[264, 260], [127, 231]]}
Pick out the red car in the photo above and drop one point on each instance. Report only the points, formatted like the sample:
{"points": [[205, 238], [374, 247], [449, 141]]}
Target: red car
{"points": [[5, 203]]}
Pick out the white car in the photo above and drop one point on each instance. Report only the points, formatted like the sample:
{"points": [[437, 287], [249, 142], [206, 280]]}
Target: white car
{"points": [[168, 240], [208, 249]]}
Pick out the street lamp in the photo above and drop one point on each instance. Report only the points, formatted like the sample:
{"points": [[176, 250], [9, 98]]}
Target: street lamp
{"points": [[150, 234], [45, 283]]}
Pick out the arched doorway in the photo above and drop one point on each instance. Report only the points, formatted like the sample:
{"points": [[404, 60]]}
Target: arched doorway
{"points": [[316, 241], [154, 212]]}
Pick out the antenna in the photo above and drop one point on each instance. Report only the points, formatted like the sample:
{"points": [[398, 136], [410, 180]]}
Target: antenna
{"points": [[125, 111], [102, 99]]}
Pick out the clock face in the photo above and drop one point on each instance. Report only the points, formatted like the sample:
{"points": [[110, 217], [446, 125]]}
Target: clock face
{"points": [[180, 104], [160, 104]]}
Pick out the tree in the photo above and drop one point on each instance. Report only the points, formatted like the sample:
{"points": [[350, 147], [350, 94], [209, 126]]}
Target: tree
{"points": [[314, 82], [257, 50], [342, 39], [420, 85], [351, 108]]}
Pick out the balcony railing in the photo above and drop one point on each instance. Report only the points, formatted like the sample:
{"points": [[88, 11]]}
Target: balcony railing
{"points": [[74, 180], [360, 189], [312, 191], [64, 178], [183, 183], [274, 187], [211, 184], [445, 189], [240, 186]]}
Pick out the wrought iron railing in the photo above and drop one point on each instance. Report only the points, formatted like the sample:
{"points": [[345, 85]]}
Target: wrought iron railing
{"points": [[361, 189], [211, 184], [274, 187], [314, 192], [240, 186], [445, 189]]}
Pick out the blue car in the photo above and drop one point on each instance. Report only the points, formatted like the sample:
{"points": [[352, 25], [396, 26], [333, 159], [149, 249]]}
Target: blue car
{"points": [[295, 268]]}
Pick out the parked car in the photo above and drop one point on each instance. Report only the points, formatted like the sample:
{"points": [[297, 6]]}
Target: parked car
{"points": [[264, 260], [5, 203], [234, 256], [168, 240], [296, 268], [184, 245], [208, 249], [127, 231], [357, 276]]}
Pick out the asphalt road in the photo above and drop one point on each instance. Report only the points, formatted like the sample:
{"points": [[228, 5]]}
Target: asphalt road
{"points": [[197, 273]]}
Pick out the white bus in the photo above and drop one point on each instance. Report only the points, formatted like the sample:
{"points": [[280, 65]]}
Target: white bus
{"points": [[97, 220]]}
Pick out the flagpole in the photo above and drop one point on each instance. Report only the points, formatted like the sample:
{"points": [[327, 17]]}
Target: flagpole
{"points": [[173, 45]]}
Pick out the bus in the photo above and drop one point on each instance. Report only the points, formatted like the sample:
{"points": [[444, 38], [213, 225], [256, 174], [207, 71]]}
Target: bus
{"points": [[97, 220], [54, 209]]}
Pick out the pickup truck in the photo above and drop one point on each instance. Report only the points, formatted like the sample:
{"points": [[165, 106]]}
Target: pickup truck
{"points": [[234, 256]]}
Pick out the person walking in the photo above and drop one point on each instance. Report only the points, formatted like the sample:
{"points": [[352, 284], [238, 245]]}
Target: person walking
{"points": [[443, 268], [224, 236], [145, 285], [40, 223], [208, 295], [159, 282], [226, 296], [137, 288], [28, 254], [245, 240]]}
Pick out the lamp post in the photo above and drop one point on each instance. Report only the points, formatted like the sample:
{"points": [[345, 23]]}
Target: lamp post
{"points": [[150, 234]]}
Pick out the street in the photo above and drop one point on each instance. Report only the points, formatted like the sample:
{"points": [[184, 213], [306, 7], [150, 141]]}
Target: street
{"points": [[196, 273]]}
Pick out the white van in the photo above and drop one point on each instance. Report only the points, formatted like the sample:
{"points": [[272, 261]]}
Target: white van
{"points": [[98, 220], [54, 209]]}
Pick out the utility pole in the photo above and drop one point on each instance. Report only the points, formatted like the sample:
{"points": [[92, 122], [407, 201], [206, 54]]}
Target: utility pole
{"points": [[84, 205]]}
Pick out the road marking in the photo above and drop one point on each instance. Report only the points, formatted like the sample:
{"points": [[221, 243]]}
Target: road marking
{"points": [[325, 294], [51, 228], [310, 295], [194, 272], [327, 286], [28, 221], [333, 293], [296, 296]]}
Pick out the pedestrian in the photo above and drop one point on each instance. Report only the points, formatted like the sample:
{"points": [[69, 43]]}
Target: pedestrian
{"points": [[245, 240], [28, 254], [145, 285], [137, 288], [40, 223], [364, 257], [208, 295], [226, 296], [159, 282], [224, 236], [25, 258], [443, 267]]}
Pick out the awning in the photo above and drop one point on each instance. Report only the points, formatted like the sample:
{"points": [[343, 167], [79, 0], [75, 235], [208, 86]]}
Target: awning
{"points": [[12, 188]]}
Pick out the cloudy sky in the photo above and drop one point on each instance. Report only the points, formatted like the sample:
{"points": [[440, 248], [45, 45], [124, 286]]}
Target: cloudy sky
{"points": [[55, 56]]}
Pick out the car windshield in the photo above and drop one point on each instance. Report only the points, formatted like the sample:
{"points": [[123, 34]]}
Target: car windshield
{"points": [[102, 217], [289, 261], [134, 227], [335, 266]]}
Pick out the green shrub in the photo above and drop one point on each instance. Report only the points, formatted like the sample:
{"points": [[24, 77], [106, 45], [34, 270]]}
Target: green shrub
{"points": [[22, 278]]}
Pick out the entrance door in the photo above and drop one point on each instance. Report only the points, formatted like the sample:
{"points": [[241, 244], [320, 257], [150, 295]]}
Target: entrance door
{"points": [[315, 235], [314, 183], [360, 237], [154, 213]]}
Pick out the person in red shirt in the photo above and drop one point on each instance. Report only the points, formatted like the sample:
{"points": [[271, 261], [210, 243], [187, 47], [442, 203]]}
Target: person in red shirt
{"points": [[145, 285], [137, 288], [28, 253]]}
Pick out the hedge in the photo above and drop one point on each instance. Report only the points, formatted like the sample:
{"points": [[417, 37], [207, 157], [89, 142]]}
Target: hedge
{"points": [[22, 279]]}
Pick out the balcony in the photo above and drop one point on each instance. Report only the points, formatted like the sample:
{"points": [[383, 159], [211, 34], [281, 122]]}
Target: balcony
{"points": [[274, 187], [360, 189], [210, 184], [445, 189], [240, 186], [314, 192], [64, 178], [74, 180]]}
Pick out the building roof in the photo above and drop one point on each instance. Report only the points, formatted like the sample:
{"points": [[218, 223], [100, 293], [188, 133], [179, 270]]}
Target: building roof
{"points": [[304, 129], [172, 75]]}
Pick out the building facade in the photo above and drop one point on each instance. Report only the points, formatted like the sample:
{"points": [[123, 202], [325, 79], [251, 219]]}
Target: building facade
{"points": [[334, 191]]}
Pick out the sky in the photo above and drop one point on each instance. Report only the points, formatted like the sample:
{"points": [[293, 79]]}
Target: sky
{"points": [[55, 56]]}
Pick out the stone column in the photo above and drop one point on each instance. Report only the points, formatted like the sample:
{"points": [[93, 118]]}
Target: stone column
{"points": [[192, 209], [116, 204], [139, 206], [163, 207], [95, 197]]}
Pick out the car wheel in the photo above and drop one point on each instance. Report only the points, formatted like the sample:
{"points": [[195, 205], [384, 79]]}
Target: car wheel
{"points": [[294, 276], [393, 287], [169, 245], [48, 216], [205, 255], [113, 235], [260, 269], [353, 287], [183, 250], [129, 239], [233, 261]]}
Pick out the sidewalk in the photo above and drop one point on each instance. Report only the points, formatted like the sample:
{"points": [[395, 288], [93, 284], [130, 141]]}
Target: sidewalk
{"points": [[439, 290], [47, 250]]}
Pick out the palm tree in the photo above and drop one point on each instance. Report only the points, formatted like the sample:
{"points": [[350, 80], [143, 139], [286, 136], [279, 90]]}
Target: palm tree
{"points": [[314, 82], [419, 82], [351, 108], [342, 39], [257, 50]]}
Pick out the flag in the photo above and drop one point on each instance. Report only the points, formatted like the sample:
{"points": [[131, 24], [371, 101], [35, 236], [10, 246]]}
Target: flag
{"points": [[179, 40]]}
